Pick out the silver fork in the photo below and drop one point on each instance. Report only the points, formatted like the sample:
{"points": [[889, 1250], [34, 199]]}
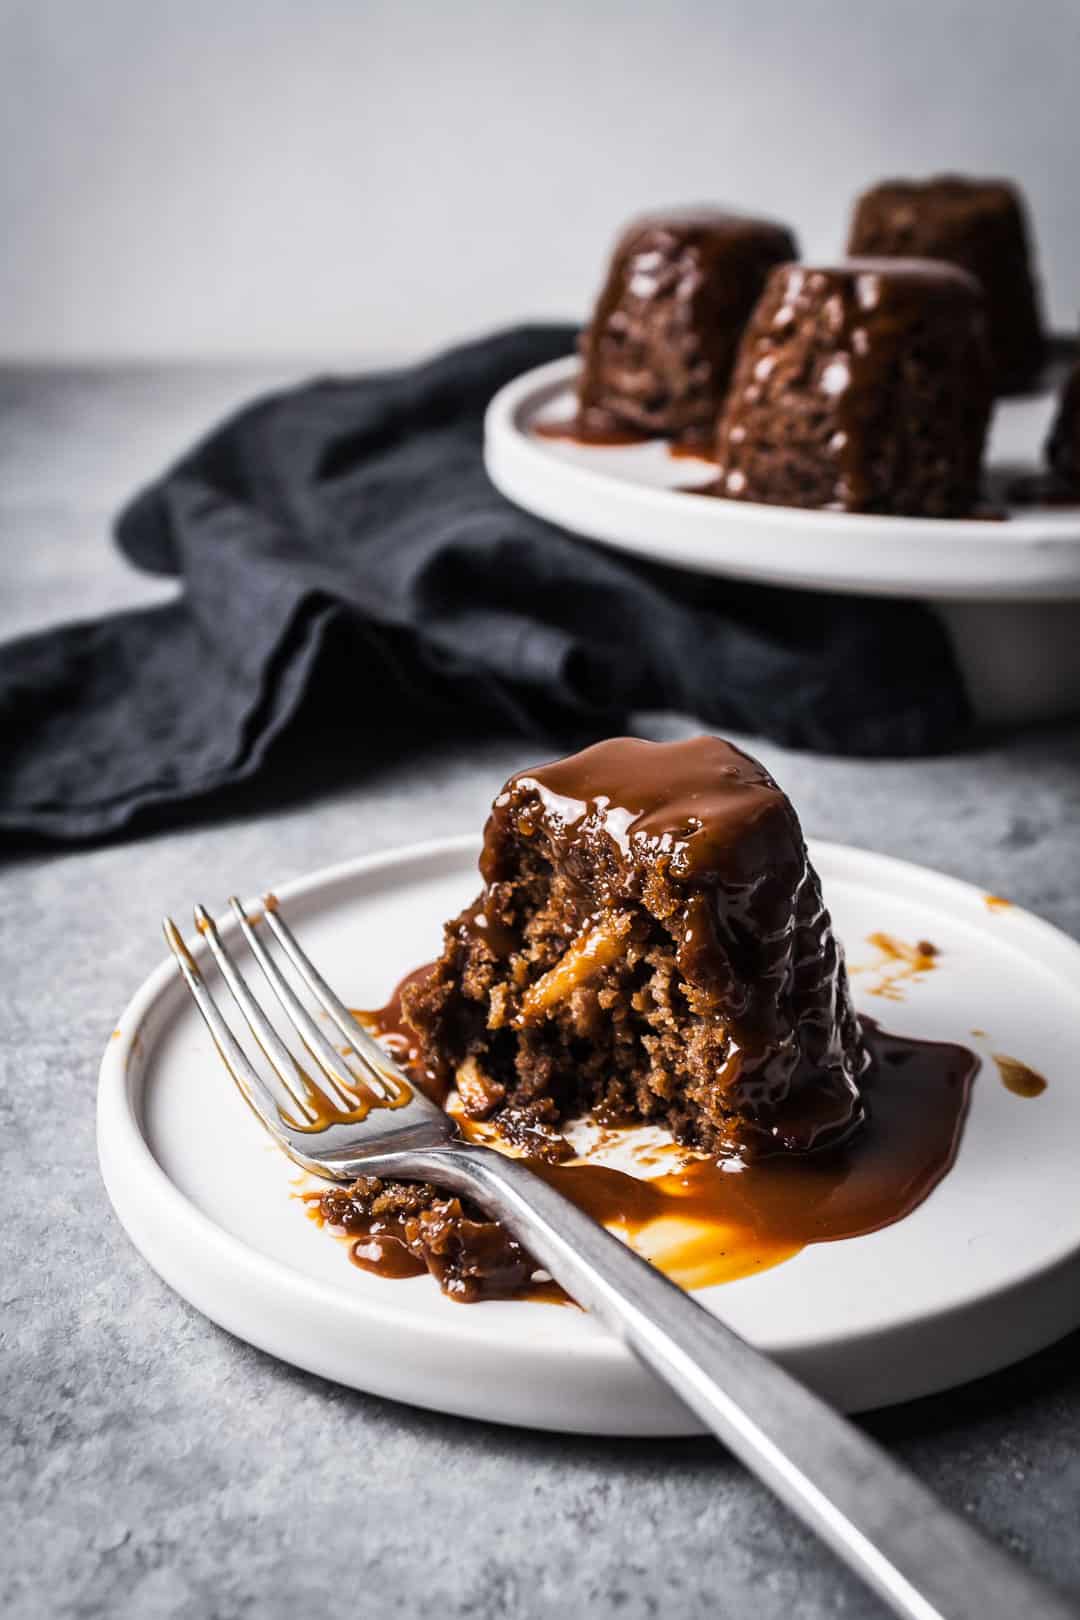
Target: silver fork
{"points": [[924, 1561]]}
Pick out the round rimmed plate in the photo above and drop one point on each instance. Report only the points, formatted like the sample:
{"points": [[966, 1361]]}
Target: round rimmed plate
{"points": [[985, 1271], [637, 498]]}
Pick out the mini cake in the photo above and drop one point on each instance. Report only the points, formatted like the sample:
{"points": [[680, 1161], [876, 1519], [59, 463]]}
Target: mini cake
{"points": [[979, 225], [650, 944], [860, 387], [658, 352], [1063, 445]]}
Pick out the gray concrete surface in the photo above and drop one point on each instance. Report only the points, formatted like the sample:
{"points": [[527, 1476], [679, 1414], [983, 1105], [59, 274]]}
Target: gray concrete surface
{"points": [[154, 1468]]}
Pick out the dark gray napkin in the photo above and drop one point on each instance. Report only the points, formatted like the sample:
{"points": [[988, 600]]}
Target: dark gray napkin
{"points": [[343, 538]]}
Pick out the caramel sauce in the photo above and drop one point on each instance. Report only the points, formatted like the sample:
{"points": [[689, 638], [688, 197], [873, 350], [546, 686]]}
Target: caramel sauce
{"points": [[703, 1221], [500, 940], [386, 1256], [690, 450], [712, 1221], [377, 1250], [1018, 1078], [898, 963], [578, 430], [349, 1106], [390, 1028]]}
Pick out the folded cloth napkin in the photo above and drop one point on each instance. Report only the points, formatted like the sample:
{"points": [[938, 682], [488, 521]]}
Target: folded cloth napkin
{"points": [[349, 523]]}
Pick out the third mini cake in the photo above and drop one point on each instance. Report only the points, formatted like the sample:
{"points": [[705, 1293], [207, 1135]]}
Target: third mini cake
{"points": [[658, 351], [979, 225], [860, 387]]}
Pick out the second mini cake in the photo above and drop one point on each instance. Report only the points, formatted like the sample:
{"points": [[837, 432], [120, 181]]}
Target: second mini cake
{"points": [[659, 349], [860, 387]]}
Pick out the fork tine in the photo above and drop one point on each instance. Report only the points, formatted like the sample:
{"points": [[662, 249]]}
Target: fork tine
{"points": [[287, 1070], [366, 1046], [341, 1078], [248, 1081]]}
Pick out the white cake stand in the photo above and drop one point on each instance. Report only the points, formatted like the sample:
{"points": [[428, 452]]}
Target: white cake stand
{"points": [[1008, 591]]}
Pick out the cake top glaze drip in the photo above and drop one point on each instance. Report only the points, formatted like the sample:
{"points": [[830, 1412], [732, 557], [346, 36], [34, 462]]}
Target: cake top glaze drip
{"points": [[868, 308], [701, 807], [981, 225], [961, 196], [702, 219], [894, 275]]}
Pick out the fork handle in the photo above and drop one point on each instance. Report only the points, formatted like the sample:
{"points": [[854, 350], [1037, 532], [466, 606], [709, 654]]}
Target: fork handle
{"points": [[925, 1562]]}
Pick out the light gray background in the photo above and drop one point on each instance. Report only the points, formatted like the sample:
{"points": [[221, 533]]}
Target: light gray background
{"points": [[271, 177]]}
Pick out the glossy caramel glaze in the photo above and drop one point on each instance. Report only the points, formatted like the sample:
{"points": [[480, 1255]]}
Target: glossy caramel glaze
{"points": [[701, 808], [372, 1246], [680, 451], [600, 432], [394, 1032]]}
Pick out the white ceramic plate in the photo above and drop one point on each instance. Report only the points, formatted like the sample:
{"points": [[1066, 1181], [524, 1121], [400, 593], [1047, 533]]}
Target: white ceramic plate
{"points": [[985, 1271], [634, 498]]}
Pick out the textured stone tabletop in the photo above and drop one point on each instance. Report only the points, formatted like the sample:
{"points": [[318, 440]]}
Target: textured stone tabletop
{"points": [[154, 1467]]}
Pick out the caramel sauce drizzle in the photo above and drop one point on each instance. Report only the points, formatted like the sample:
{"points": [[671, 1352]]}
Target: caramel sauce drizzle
{"points": [[897, 965], [708, 1221], [690, 450], [320, 1107], [1018, 1078], [379, 1251], [577, 431]]}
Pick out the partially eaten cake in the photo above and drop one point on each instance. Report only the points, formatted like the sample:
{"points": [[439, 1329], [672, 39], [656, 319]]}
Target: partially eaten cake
{"points": [[650, 945]]}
